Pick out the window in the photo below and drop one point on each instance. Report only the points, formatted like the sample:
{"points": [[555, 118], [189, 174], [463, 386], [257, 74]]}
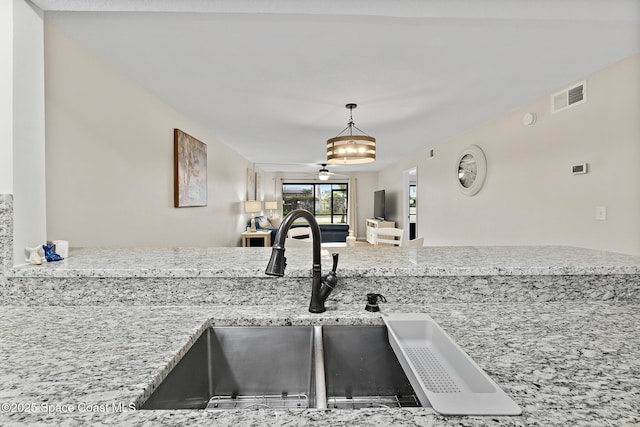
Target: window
{"points": [[327, 202]]}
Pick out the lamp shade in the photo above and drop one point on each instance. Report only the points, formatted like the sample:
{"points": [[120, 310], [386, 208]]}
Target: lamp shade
{"points": [[351, 149], [271, 205], [253, 206]]}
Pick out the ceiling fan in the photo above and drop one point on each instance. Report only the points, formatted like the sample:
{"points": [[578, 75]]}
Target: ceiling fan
{"points": [[306, 169], [324, 174]]}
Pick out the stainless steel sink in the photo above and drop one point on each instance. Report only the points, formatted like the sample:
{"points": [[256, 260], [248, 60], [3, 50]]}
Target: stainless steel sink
{"points": [[286, 367], [240, 367], [361, 369]]}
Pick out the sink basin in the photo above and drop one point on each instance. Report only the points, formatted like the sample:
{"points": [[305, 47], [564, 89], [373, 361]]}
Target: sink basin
{"points": [[277, 367], [361, 369], [241, 367]]}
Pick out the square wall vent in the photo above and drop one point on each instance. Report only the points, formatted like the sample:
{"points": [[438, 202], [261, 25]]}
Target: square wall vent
{"points": [[569, 97]]}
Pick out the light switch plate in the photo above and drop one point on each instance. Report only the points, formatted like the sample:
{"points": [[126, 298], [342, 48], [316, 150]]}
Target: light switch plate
{"points": [[601, 213]]}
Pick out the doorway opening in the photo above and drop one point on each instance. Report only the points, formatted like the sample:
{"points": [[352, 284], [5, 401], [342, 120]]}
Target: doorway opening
{"points": [[410, 203]]}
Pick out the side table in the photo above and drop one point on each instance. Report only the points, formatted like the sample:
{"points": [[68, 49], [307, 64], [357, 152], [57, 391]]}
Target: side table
{"points": [[247, 236]]}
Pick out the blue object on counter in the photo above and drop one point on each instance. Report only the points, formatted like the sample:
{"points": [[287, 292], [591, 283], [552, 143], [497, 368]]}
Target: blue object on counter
{"points": [[50, 254]]}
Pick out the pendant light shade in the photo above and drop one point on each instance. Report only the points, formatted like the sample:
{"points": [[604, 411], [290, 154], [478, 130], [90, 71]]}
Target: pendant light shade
{"points": [[351, 149]]}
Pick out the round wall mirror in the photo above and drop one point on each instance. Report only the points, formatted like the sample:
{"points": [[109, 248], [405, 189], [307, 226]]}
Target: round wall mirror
{"points": [[471, 170]]}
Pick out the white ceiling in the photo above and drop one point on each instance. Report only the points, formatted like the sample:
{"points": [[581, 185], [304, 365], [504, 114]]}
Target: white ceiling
{"points": [[271, 78]]}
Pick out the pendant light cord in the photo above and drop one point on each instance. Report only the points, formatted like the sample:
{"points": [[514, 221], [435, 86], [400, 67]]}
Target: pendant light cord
{"points": [[351, 125]]}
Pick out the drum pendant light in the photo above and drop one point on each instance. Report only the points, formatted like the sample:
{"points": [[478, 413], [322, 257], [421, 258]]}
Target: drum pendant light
{"points": [[350, 149]]}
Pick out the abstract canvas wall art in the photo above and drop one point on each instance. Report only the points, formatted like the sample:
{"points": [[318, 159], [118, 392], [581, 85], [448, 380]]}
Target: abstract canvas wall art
{"points": [[190, 170], [251, 185]]}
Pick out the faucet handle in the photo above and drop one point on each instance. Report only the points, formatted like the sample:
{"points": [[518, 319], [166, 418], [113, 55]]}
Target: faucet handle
{"points": [[335, 261], [331, 278]]}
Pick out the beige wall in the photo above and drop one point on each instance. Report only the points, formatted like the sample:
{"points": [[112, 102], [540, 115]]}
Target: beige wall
{"points": [[392, 180], [28, 135], [109, 159], [367, 185], [530, 196], [6, 97]]}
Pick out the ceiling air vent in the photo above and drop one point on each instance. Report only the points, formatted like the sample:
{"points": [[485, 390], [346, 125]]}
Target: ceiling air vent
{"points": [[569, 97]]}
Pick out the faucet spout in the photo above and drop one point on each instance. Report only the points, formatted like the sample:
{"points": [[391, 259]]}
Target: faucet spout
{"points": [[277, 263], [320, 288]]}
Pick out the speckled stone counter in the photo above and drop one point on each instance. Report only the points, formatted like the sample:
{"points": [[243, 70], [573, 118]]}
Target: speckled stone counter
{"points": [[6, 233], [354, 262], [192, 276], [564, 363]]}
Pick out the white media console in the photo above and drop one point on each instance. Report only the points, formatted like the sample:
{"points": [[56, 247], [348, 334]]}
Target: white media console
{"points": [[373, 225]]}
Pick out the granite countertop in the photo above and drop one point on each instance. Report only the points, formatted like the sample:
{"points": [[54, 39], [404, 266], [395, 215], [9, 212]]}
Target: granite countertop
{"points": [[566, 360], [354, 262], [565, 363]]}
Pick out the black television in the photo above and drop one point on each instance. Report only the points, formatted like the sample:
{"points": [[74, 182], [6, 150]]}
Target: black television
{"points": [[378, 205]]}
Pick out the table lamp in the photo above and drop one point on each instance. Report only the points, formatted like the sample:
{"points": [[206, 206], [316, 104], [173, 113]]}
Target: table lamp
{"points": [[271, 206], [253, 207]]}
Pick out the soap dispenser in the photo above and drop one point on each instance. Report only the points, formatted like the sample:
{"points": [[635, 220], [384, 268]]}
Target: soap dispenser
{"points": [[372, 302]]}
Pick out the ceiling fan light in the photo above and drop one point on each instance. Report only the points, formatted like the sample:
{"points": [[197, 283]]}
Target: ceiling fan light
{"points": [[324, 174]]}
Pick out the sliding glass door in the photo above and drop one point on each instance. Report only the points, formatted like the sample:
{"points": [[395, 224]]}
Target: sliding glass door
{"points": [[327, 202]]}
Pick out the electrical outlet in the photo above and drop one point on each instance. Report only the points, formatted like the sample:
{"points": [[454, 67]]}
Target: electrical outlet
{"points": [[601, 213]]}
